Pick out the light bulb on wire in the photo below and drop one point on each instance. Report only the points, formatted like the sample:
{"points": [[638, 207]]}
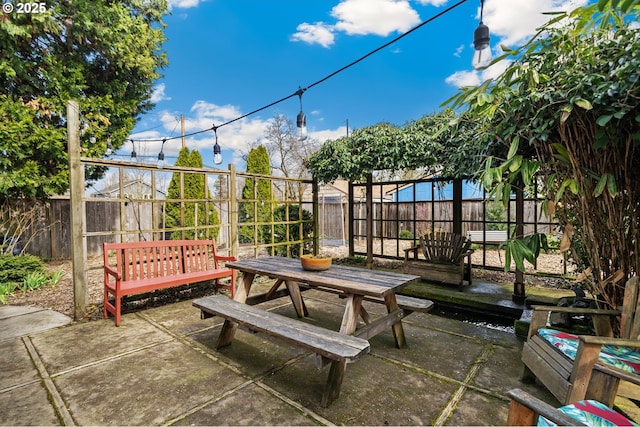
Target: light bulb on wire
{"points": [[482, 53], [301, 120], [217, 151], [161, 163]]}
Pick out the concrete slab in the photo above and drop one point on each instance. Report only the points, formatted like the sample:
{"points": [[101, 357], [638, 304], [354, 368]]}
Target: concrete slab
{"points": [[161, 367], [17, 321]]}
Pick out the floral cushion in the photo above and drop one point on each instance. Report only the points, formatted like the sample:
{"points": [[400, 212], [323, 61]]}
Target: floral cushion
{"points": [[625, 358], [591, 413]]}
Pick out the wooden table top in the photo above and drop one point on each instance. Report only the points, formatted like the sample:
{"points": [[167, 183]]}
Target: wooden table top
{"points": [[351, 280]]}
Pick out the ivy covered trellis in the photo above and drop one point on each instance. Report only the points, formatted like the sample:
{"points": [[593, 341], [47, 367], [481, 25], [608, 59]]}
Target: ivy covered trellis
{"points": [[566, 112]]}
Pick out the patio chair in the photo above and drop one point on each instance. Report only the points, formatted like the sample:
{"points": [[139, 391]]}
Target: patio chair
{"points": [[527, 410], [575, 367]]}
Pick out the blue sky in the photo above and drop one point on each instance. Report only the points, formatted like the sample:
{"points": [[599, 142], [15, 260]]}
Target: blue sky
{"points": [[230, 57]]}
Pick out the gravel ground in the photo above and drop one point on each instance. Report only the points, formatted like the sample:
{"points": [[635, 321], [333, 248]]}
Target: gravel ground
{"points": [[60, 297]]}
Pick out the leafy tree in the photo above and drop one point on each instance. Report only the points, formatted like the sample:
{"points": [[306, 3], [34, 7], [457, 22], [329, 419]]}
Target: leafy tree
{"points": [[429, 144], [257, 199], [288, 153], [567, 112], [190, 214], [106, 55]]}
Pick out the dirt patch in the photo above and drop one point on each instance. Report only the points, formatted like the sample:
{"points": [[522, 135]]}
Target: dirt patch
{"points": [[61, 297]]}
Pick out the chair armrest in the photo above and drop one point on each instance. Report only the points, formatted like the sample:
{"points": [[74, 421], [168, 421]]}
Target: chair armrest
{"points": [[413, 249], [575, 310], [525, 409], [541, 313], [589, 339]]}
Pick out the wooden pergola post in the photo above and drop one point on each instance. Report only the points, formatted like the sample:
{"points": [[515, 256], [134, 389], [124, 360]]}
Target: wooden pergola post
{"points": [[77, 211]]}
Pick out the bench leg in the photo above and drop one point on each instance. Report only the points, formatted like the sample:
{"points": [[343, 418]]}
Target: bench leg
{"points": [[351, 313], [296, 298], [227, 333], [398, 331], [334, 382]]}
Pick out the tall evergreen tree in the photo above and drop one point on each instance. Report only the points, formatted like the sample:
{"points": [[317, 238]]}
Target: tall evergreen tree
{"points": [[191, 214], [256, 207]]}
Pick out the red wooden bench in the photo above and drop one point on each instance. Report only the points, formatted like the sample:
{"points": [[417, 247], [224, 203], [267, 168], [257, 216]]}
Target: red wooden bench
{"points": [[141, 267]]}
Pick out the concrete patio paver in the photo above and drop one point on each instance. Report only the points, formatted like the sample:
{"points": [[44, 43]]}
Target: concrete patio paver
{"points": [[160, 367]]}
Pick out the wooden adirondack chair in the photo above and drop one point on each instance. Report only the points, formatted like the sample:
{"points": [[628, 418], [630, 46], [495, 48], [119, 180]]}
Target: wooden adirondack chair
{"points": [[446, 257], [525, 410], [583, 373]]}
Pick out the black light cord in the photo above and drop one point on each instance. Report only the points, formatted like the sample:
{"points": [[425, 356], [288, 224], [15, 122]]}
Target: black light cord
{"points": [[300, 91]]}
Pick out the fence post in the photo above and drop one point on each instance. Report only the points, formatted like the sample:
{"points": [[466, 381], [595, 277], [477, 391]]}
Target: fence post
{"points": [[233, 210], [77, 214], [316, 237]]}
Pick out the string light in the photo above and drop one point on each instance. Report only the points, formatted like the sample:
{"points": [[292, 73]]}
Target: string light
{"points": [[161, 162], [482, 54], [217, 152], [109, 150], [134, 155], [301, 118]]}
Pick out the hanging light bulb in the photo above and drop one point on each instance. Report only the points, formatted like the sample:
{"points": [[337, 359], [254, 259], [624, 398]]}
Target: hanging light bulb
{"points": [[301, 120], [109, 150], [217, 151], [134, 155], [482, 53], [161, 163]]}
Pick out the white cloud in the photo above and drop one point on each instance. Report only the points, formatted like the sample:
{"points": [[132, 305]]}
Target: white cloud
{"points": [[183, 4], [319, 33], [459, 51], [474, 78], [158, 94], [380, 17], [464, 78], [513, 22], [432, 2]]}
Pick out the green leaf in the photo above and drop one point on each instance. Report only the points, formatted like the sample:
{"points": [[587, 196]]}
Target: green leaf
{"points": [[513, 148], [612, 186], [602, 182], [516, 162], [584, 104], [604, 119], [565, 112]]}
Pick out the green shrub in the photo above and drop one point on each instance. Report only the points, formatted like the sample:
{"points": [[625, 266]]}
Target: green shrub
{"points": [[17, 268], [406, 234], [496, 216]]}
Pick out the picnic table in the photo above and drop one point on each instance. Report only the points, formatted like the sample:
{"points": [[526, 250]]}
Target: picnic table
{"points": [[355, 284], [331, 347]]}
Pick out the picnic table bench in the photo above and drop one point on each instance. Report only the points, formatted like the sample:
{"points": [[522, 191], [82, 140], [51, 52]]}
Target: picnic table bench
{"points": [[446, 257], [336, 347], [141, 267]]}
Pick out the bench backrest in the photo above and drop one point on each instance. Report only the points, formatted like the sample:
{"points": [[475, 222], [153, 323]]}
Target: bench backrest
{"points": [[444, 247], [138, 260]]}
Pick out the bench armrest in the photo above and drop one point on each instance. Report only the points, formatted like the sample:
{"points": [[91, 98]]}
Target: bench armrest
{"points": [[225, 258], [110, 271]]}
